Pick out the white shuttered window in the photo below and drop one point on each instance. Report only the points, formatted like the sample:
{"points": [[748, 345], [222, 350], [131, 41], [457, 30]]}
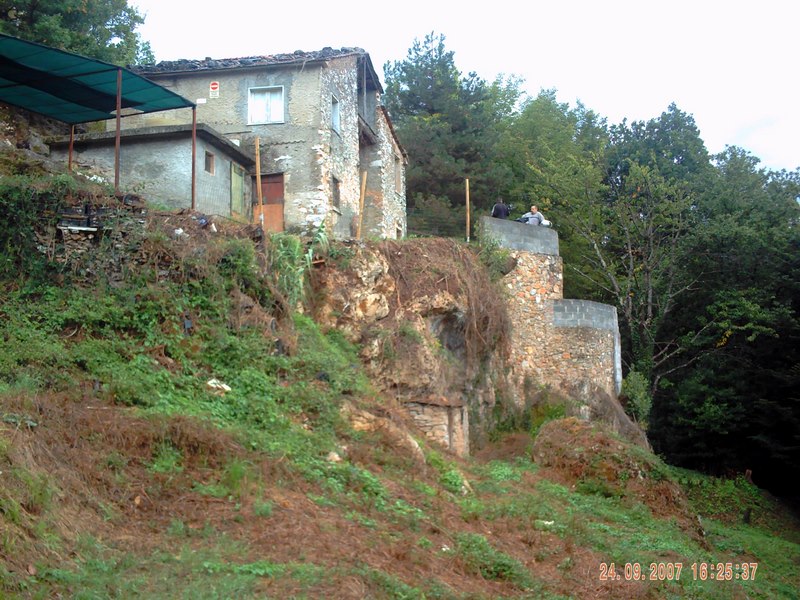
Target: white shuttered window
{"points": [[265, 105]]}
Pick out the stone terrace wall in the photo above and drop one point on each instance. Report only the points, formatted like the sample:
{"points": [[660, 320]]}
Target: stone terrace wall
{"points": [[570, 345], [533, 286], [447, 425]]}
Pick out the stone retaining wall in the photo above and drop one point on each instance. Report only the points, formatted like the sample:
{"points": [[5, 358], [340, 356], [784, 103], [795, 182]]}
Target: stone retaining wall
{"points": [[446, 425], [570, 345]]}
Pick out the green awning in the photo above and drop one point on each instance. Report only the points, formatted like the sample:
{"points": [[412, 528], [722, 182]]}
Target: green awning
{"points": [[72, 88]]}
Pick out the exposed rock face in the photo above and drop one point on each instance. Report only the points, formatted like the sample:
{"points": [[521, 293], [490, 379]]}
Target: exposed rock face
{"points": [[414, 310], [362, 420], [358, 295]]}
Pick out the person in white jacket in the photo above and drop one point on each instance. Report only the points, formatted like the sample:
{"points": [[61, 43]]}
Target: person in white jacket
{"points": [[534, 217]]}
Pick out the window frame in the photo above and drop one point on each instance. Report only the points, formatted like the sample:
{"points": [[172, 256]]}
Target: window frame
{"points": [[266, 89], [210, 163]]}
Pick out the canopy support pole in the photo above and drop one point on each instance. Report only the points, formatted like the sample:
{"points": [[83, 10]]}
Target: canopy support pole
{"points": [[71, 146], [116, 140], [194, 158]]}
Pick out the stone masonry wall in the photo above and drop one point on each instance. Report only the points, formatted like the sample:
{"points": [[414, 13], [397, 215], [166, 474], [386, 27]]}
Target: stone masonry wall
{"points": [[570, 345], [446, 425], [591, 329]]}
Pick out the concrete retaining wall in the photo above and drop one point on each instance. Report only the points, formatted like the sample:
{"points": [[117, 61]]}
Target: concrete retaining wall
{"points": [[520, 236], [584, 313]]}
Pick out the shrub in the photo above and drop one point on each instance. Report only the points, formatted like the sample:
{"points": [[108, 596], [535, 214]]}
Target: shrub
{"points": [[481, 557], [636, 389]]}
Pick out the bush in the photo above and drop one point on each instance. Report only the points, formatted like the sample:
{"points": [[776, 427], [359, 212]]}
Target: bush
{"points": [[481, 557], [28, 204], [636, 389]]}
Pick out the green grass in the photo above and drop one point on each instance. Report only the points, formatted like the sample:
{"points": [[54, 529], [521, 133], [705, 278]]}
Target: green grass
{"points": [[479, 556], [107, 572]]}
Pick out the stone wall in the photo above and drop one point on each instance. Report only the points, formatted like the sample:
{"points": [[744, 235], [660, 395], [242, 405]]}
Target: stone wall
{"points": [[572, 346], [591, 329], [385, 202], [445, 425]]}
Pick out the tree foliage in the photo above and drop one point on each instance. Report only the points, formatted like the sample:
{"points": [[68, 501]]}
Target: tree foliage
{"points": [[450, 123], [737, 405], [557, 157], [102, 29]]}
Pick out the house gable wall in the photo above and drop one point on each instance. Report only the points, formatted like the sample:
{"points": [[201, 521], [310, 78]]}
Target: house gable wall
{"points": [[385, 205]]}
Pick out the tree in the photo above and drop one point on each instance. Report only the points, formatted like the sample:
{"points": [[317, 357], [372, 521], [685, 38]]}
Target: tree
{"points": [[633, 240], [102, 29], [557, 156], [730, 400], [634, 227], [671, 143], [450, 124]]}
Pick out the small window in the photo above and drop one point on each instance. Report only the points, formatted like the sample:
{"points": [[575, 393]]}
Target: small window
{"points": [[335, 198], [335, 115], [265, 105], [209, 163]]}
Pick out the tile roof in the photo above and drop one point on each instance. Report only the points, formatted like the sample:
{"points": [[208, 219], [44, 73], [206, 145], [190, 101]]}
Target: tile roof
{"points": [[207, 64]]}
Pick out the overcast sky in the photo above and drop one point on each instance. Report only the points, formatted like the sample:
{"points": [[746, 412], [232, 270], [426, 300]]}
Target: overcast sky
{"points": [[731, 64]]}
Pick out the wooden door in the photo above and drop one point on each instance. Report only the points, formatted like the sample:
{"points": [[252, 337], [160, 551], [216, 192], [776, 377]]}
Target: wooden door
{"points": [[272, 193], [237, 193]]}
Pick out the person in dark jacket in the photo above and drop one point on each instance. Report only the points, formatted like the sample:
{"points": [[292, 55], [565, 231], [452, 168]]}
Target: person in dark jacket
{"points": [[500, 210]]}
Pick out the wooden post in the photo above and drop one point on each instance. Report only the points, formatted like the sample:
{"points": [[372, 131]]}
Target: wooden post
{"points": [[259, 192], [361, 204], [467, 180]]}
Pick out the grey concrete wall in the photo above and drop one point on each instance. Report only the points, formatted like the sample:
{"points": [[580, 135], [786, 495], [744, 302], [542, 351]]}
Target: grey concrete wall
{"points": [[520, 236], [160, 169], [592, 315], [584, 313]]}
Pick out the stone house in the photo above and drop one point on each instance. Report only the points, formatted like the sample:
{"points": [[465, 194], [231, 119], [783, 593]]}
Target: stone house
{"points": [[321, 130]]}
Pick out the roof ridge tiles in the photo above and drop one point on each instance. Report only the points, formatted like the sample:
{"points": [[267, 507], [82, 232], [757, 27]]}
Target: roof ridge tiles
{"points": [[208, 63]]}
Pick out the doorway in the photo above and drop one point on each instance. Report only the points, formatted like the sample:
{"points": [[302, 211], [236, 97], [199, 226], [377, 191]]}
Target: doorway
{"points": [[272, 196]]}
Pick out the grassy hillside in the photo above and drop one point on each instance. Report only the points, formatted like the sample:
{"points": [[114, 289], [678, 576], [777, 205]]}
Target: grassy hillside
{"points": [[173, 426]]}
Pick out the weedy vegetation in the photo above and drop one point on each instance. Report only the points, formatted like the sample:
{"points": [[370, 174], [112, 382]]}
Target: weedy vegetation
{"points": [[158, 439]]}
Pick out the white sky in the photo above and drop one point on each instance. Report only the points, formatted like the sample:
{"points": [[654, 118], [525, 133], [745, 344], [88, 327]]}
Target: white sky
{"points": [[733, 65]]}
